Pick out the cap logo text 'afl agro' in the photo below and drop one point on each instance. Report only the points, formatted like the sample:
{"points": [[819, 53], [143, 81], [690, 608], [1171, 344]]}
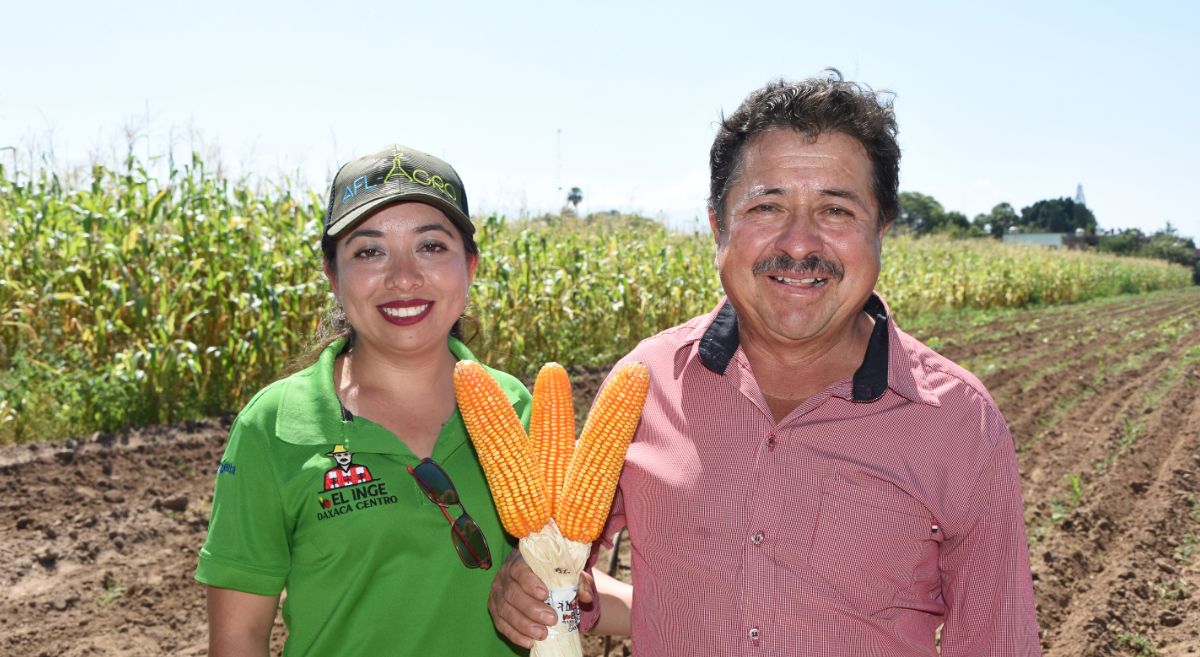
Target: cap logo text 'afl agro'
{"points": [[352, 189], [420, 177]]}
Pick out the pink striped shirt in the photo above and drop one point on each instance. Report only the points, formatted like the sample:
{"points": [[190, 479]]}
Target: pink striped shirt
{"points": [[881, 508]]}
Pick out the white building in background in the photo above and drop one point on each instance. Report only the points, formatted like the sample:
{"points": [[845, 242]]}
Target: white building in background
{"points": [[1052, 240]]}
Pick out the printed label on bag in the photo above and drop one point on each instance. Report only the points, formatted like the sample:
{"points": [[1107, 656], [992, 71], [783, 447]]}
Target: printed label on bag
{"points": [[566, 605]]}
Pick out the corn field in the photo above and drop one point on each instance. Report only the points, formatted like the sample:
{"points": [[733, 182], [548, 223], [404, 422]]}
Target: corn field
{"points": [[134, 300], [922, 276]]}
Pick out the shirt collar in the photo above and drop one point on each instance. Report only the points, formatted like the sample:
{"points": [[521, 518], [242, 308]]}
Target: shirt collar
{"points": [[883, 367], [310, 412]]}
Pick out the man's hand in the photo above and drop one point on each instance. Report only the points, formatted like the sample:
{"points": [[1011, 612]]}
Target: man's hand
{"points": [[517, 601]]}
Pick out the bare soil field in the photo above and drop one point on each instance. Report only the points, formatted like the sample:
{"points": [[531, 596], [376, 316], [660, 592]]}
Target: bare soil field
{"points": [[98, 536]]}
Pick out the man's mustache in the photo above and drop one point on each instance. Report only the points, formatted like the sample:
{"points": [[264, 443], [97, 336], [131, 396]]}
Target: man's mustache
{"points": [[811, 265]]}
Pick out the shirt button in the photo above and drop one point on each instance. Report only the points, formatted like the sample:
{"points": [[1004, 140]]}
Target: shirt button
{"points": [[771, 442], [757, 539], [754, 633]]}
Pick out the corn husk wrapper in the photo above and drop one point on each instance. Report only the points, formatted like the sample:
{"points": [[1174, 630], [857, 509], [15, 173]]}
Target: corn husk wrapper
{"points": [[558, 562]]}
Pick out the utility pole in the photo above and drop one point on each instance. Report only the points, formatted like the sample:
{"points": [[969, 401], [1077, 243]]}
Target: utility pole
{"points": [[147, 132], [558, 179]]}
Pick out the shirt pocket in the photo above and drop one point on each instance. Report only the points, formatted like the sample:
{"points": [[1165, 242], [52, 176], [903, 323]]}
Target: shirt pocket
{"points": [[870, 541]]}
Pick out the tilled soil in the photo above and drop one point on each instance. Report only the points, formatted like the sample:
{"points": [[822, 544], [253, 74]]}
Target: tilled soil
{"points": [[98, 536], [1103, 401], [99, 540]]}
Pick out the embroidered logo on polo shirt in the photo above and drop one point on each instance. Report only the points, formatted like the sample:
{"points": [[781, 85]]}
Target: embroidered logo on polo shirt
{"points": [[350, 487], [346, 473]]}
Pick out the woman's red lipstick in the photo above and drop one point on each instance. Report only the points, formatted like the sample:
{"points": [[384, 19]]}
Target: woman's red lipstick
{"points": [[405, 307]]}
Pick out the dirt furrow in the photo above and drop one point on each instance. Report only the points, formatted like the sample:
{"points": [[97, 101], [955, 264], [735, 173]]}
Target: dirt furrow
{"points": [[1021, 335], [1116, 573], [1070, 441], [1026, 329]]}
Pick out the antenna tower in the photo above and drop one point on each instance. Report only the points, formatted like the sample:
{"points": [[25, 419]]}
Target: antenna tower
{"points": [[1079, 197]]}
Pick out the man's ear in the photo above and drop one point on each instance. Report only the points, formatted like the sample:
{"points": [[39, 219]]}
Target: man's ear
{"points": [[718, 237], [714, 225]]}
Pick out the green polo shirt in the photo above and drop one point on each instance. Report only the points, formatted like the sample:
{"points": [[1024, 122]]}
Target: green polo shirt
{"points": [[365, 557]]}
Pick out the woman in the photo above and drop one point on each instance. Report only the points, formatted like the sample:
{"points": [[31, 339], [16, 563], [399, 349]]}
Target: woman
{"points": [[349, 482]]}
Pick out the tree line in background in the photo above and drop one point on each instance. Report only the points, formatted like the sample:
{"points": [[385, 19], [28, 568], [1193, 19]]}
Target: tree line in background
{"points": [[924, 215]]}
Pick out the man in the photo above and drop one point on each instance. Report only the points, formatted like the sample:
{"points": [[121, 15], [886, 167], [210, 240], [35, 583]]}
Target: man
{"points": [[807, 479]]}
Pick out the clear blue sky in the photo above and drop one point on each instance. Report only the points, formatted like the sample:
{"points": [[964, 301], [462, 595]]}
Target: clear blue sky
{"points": [[996, 102]]}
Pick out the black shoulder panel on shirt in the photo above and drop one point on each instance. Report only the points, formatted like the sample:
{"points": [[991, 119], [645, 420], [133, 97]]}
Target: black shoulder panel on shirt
{"points": [[720, 341], [871, 379]]}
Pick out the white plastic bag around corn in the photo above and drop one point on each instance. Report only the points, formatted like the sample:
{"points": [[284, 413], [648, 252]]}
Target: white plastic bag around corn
{"points": [[558, 562]]}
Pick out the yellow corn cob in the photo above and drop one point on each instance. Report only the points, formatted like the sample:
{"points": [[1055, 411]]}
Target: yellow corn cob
{"points": [[592, 478], [504, 450], [552, 428]]}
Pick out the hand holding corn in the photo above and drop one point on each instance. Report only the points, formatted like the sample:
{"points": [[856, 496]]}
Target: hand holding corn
{"points": [[550, 493]]}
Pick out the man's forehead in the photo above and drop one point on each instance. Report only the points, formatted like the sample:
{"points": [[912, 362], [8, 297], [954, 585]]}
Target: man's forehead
{"points": [[790, 150], [782, 161]]}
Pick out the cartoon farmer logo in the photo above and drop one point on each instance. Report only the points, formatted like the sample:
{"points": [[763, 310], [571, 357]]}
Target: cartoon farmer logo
{"points": [[343, 494], [346, 473]]}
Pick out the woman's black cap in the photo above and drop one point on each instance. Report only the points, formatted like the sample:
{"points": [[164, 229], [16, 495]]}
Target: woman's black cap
{"points": [[390, 175]]}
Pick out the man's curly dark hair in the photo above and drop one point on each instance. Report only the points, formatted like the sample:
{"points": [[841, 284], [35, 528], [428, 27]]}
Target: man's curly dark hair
{"points": [[812, 107]]}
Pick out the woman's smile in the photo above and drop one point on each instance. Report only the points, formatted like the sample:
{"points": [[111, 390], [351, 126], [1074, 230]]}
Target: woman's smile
{"points": [[406, 312]]}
